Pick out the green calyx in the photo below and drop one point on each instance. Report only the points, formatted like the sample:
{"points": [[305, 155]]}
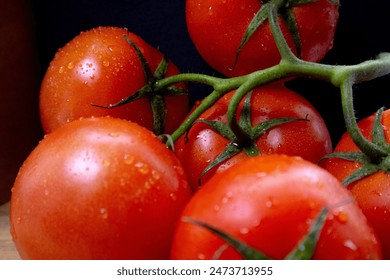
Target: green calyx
{"points": [[285, 12], [303, 251], [371, 162], [242, 138], [150, 91]]}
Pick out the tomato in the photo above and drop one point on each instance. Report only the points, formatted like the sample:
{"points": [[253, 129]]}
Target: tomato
{"points": [[269, 202], [372, 192], [308, 139], [218, 27], [100, 67], [98, 188], [19, 89]]}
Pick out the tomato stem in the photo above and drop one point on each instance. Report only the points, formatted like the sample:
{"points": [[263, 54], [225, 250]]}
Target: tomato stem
{"points": [[370, 149], [341, 76]]}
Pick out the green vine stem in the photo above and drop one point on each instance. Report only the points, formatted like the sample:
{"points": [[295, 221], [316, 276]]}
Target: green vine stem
{"points": [[341, 76]]}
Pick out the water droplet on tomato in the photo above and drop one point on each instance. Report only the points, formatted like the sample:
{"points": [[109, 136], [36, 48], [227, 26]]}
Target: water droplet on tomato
{"points": [[128, 159], [70, 65], [201, 256], [210, 12], [106, 63], [113, 134], [156, 175], [103, 213], [244, 230], [269, 204], [178, 170], [147, 185], [173, 196], [350, 244], [342, 217], [61, 70], [142, 167]]}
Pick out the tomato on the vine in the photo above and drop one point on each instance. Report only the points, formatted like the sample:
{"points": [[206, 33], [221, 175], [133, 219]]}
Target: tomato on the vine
{"points": [[269, 203], [217, 29], [308, 138], [101, 67], [373, 191], [98, 188]]}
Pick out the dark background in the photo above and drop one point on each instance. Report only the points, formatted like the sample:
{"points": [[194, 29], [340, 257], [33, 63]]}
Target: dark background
{"points": [[362, 33]]}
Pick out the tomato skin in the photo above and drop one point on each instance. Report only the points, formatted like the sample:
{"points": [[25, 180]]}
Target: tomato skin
{"points": [[99, 67], [217, 28], [372, 192], [268, 202], [307, 139], [98, 188]]}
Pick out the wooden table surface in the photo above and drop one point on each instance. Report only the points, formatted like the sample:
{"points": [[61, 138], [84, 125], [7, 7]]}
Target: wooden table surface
{"points": [[7, 248]]}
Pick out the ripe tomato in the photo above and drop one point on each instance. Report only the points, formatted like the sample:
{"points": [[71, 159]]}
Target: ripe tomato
{"points": [[98, 188], [100, 67], [372, 192], [19, 89], [307, 139], [269, 202], [217, 28]]}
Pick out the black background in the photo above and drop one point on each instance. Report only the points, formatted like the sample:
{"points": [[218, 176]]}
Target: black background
{"points": [[362, 33]]}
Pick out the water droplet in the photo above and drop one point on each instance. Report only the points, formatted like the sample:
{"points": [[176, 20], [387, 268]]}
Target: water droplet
{"points": [[342, 217], [128, 159], [142, 167], [244, 230], [70, 65], [147, 185], [61, 70], [106, 63], [216, 207], [156, 175], [350, 244], [201, 256], [46, 192], [173, 196], [18, 220], [113, 134], [178, 170], [210, 12], [104, 213], [269, 204]]}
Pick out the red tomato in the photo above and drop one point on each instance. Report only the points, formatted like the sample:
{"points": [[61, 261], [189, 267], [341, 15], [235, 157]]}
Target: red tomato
{"points": [[217, 28], [269, 202], [307, 139], [100, 67], [372, 192], [99, 188], [19, 89]]}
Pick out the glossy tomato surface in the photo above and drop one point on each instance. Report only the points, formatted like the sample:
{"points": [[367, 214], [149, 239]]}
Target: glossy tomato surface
{"points": [[217, 28], [372, 192], [98, 188], [269, 202], [308, 139], [100, 67]]}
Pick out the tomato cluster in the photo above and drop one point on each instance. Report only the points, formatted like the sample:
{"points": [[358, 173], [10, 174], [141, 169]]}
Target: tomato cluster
{"points": [[104, 183]]}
